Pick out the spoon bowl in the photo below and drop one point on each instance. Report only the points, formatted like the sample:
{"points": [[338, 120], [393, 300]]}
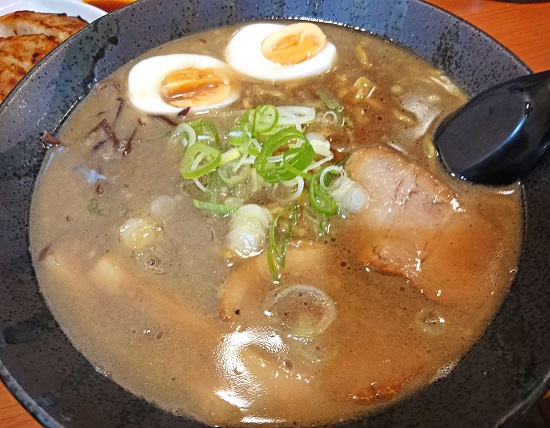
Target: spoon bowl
{"points": [[500, 135]]}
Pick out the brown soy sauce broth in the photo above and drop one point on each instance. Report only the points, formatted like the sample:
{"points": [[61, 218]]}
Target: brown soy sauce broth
{"points": [[150, 321]]}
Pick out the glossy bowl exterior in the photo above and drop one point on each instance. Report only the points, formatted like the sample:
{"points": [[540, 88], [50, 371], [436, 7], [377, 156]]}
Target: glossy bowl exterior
{"points": [[499, 377]]}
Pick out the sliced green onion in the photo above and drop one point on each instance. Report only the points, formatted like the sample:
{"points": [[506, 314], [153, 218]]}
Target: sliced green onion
{"points": [[330, 100], [294, 163], [300, 185], [255, 181], [350, 196], [206, 131], [238, 136], [325, 179], [219, 209], [288, 162], [248, 230], [245, 121], [254, 147], [199, 159], [334, 106], [230, 155], [200, 185], [288, 115], [185, 134], [319, 197], [276, 255], [265, 119], [323, 226], [232, 173], [319, 143]]}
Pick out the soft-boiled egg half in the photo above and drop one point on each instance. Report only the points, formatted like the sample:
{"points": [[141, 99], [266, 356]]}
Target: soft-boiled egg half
{"points": [[280, 52], [167, 84]]}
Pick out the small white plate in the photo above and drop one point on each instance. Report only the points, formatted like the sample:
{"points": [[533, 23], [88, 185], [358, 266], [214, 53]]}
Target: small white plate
{"points": [[70, 7]]}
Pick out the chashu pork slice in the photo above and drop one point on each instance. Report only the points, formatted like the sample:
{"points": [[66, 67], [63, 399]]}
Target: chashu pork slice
{"points": [[414, 227], [18, 54], [25, 22]]}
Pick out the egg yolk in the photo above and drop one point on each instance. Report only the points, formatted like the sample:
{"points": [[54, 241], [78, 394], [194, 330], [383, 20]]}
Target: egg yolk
{"points": [[294, 43], [191, 87]]}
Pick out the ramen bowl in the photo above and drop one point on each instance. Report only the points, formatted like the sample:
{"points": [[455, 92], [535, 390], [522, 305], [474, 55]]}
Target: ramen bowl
{"points": [[498, 378]]}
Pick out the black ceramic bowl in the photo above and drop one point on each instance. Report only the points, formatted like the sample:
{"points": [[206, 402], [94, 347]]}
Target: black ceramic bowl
{"points": [[505, 372]]}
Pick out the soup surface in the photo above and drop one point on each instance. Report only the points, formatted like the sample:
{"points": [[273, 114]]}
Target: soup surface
{"points": [[318, 284]]}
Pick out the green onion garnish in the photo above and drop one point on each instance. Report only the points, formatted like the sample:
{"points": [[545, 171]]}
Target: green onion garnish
{"points": [[295, 159], [245, 122], [219, 209], [238, 136], [330, 100], [319, 196], [265, 146], [185, 134], [323, 226], [265, 119], [230, 156], [199, 159], [277, 251], [206, 131], [232, 173]]}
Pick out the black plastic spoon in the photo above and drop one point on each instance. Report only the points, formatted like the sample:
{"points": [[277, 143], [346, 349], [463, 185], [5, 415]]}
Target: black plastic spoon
{"points": [[499, 135]]}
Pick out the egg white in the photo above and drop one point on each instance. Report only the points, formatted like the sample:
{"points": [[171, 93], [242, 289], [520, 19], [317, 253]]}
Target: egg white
{"points": [[145, 78], [244, 54]]}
